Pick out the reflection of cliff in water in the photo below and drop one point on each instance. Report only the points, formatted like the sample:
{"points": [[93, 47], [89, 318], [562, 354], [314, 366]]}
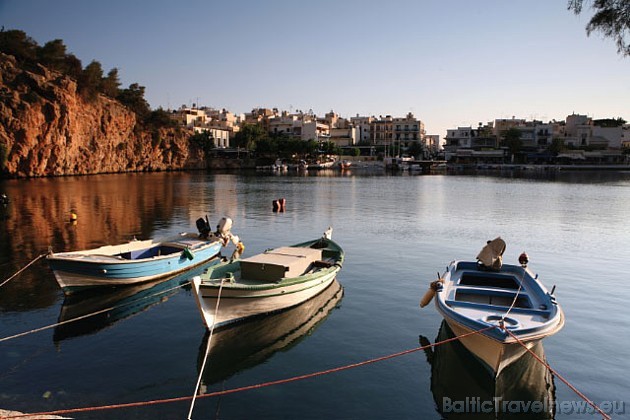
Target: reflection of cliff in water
{"points": [[239, 347], [460, 384], [117, 303], [111, 209]]}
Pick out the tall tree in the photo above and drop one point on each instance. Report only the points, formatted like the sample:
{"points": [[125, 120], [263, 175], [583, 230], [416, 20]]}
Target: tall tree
{"points": [[611, 18], [110, 85], [133, 98], [512, 141], [90, 79], [53, 55]]}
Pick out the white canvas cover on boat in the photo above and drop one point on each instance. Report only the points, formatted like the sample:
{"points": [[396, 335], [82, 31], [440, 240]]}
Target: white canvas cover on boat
{"points": [[278, 263], [491, 256]]}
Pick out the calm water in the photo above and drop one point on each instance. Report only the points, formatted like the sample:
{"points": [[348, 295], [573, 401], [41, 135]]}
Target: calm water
{"points": [[397, 231]]}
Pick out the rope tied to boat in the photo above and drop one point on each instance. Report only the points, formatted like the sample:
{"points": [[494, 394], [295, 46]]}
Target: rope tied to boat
{"points": [[520, 287], [250, 387], [68, 321], [552, 370], [23, 268], [205, 357]]}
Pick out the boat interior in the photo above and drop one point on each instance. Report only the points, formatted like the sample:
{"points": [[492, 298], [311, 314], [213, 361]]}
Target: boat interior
{"points": [[488, 290]]}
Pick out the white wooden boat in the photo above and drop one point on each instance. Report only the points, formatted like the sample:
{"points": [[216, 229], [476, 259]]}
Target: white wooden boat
{"points": [[229, 353], [472, 296], [265, 283], [138, 261]]}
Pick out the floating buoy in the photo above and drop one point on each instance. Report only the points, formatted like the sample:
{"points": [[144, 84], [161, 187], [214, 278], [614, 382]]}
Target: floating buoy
{"points": [[434, 287], [73, 216], [279, 204]]}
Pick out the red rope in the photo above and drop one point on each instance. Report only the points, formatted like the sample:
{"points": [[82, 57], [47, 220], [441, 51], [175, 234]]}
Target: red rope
{"points": [[574, 389], [249, 387]]}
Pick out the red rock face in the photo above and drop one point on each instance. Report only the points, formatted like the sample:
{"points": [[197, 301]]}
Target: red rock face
{"points": [[48, 129]]}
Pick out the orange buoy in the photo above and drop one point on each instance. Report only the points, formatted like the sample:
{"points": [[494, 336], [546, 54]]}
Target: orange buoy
{"points": [[430, 294]]}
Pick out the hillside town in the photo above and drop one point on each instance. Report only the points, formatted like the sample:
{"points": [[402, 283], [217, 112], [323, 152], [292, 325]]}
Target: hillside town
{"points": [[579, 139]]}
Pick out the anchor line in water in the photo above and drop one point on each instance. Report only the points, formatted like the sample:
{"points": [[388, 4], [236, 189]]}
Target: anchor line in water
{"points": [[251, 387], [68, 321], [22, 269], [205, 357], [566, 382]]}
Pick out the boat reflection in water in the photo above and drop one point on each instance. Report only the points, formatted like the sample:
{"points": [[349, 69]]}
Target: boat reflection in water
{"points": [[241, 346], [463, 388], [115, 303]]}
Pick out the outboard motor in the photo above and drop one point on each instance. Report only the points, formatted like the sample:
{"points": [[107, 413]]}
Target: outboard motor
{"points": [[203, 226]]}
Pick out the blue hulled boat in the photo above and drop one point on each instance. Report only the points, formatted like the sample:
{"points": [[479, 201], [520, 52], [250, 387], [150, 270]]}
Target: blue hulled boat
{"points": [[472, 296], [138, 261]]}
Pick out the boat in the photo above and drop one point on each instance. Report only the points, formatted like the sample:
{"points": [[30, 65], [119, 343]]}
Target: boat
{"points": [[275, 280], [94, 309], [463, 388], [230, 354], [475, 295], [139, 261], [345, 164]]}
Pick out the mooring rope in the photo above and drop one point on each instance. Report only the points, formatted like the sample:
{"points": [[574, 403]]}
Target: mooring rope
{"points": [[68, 321], [23, 268], [520, 286], [251, 387], [566, 382], [205, 357]]}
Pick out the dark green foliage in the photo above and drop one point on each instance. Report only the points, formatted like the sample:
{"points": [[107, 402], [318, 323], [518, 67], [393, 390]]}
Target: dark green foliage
{"points": [[248, 136], [202, 141], [556, 146], [609, 122], [110, 85], [19, 45], [330, 148], [90, 80], [160, 118], [415, 150], [611, 18], [53, 55], [133, 98]]}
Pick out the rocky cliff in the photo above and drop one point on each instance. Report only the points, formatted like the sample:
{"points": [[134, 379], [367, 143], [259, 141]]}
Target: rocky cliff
{"points": [[48, 129]]}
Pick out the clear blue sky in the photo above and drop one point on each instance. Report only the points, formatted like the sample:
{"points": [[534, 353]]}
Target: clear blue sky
{"points": [[452, 62]]}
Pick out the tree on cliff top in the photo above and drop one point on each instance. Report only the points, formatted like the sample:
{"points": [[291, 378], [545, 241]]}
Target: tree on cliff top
{"points": [[611, 18], [19, 45], [133, 98]]}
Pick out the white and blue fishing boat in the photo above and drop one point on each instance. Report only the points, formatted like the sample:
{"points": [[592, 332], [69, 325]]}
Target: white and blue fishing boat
{"points": [[475, 295], [139, 261], [275, 280]]}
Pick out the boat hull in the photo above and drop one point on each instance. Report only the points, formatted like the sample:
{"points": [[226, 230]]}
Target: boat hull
{"points": [[498, 314], [81, 270], [495, 355], [239, 304]]}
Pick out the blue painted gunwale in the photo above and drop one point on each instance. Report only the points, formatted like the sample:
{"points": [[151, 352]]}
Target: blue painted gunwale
{"points": [[533, 292]]}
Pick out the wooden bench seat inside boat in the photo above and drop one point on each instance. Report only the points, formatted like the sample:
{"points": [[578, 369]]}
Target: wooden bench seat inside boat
{"points": [[275, 264]]}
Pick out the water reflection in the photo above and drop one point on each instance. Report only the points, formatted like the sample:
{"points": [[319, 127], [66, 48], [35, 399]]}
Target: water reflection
{"points": [[463, 388], [245, 345], [113, 304]]}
